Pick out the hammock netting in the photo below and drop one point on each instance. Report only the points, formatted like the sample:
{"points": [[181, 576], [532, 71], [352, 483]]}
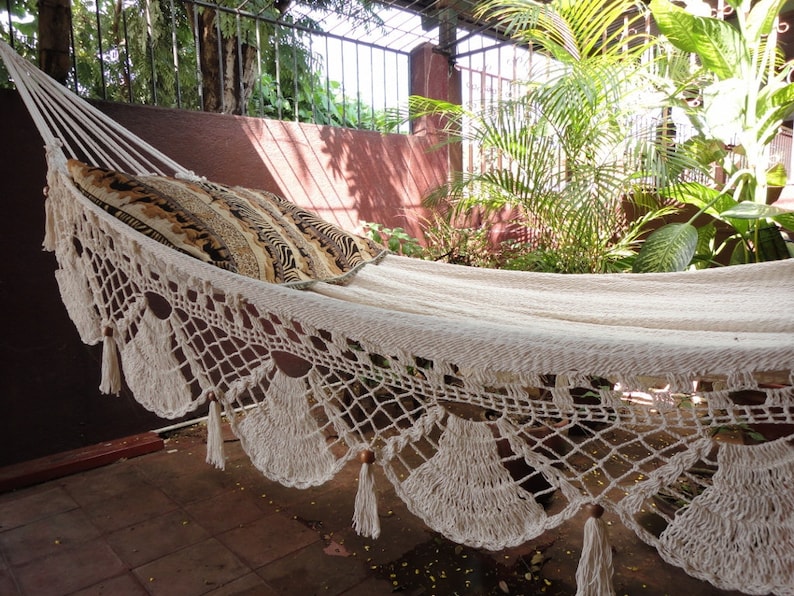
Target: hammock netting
{"points": [[665, 399]]}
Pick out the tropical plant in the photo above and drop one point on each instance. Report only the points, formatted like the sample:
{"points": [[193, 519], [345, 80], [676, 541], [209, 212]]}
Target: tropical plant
{"points": [[736, 99], [581, 147]]}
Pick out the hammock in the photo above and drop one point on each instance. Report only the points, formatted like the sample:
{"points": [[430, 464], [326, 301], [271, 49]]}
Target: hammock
{"points": [[484, 395]]}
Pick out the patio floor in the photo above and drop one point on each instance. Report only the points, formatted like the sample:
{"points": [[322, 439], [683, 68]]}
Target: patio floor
{"points": [[168, 523]]}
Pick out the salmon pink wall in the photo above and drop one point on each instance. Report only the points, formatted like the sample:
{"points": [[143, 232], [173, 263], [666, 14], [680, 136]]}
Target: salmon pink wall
{"points": [[343, 175]]}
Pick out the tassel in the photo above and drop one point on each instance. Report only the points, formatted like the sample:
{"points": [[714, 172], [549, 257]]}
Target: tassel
{"points": [[365, 515], [111, 371], [48, 243], [215, 454], [594, 573]]}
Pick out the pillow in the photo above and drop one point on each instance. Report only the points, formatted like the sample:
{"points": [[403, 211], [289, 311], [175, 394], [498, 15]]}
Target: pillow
{"points": [[250, 232]]}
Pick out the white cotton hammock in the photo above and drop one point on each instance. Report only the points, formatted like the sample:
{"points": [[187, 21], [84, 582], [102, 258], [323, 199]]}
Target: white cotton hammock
{"points": [[481, 393]]}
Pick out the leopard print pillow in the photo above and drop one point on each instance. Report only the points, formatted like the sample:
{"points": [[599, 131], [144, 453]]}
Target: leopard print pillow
{"points": [[250, 232]]}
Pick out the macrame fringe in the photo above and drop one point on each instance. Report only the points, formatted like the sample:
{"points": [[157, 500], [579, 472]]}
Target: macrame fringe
{"points": [[594, 573], [365, 514], [111, 371], [215, 453], [48, 243]]}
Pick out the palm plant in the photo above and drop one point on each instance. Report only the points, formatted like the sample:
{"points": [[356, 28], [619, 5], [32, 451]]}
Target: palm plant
{"points": [[582, 146]]}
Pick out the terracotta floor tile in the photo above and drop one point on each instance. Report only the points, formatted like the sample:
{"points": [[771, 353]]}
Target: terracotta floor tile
{"points": [[371, 587], [267, 539], [313, 570], [100, 484], [248, 585], [47, 536], [135, 505], [21, 507], [190, 479], [71, 570], [153, 538], [121, 585], [226, 510], [194, 570]]}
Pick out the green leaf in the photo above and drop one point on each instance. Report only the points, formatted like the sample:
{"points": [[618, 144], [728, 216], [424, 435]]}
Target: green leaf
{"points": [[709, 200], [670, 248], [717, 43], [750, 210], [762, 18], [785, 219], [777, 175]]}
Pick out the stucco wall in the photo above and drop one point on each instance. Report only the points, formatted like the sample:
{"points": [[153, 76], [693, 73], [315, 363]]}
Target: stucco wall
{"points": [[50, 401]]}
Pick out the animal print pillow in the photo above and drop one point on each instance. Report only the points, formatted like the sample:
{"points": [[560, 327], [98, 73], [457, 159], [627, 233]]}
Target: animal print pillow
{"points": [[250, 232]]}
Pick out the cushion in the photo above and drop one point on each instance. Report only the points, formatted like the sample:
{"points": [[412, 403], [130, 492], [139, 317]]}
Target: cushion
{"points": [[250, 232]]}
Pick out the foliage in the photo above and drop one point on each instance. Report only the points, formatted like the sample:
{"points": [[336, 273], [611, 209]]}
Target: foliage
{"points": [[145, 52], [396, 240], [581, 147], [736, 99]]}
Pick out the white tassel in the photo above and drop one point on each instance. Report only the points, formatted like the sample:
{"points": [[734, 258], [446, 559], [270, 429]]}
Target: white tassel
{"points": [[111, 371], [48, 243], [215, 454], [365, 514], [594, 573]]}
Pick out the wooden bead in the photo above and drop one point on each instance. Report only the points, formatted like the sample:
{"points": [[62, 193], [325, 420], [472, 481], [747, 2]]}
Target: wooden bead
{"points": [[366, 456], [595, 510], [107, 332]]}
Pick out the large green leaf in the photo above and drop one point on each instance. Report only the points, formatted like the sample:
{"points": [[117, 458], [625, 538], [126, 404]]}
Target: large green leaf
{"points": [[762, 18], [785, 219], [670, 248], [750, 210], [783, 100], [709, 200], [777, 175], [718, 44]]}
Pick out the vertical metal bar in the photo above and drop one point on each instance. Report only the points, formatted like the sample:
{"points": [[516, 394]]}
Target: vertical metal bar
{"points": [[240, 66], [197, 44], [327, 107], [385, 99], [397, 83], [358, 86], [259, 68], [295, 77], [344, 94], [101, 51], [312, 101], [221, 69], [127, 65], [372, 89], [150, 45], [277, 57], [174, 52]]}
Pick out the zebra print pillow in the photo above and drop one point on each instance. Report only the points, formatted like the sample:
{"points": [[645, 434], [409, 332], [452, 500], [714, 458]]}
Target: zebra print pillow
{"points": [[250, 232]]}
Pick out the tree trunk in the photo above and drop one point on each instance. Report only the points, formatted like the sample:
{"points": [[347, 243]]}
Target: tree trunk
{"points": [[227, 71], [54, 38]]}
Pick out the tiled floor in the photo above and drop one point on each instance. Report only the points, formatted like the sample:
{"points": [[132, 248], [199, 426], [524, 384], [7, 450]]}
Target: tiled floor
{"points": [[167, 523]]}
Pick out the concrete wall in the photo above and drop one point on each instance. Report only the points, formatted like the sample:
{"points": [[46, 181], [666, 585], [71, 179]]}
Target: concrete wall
{"points": [[50, 401]]}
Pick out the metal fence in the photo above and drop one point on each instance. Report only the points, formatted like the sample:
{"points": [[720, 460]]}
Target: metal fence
{"points": [[151, 52]]}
